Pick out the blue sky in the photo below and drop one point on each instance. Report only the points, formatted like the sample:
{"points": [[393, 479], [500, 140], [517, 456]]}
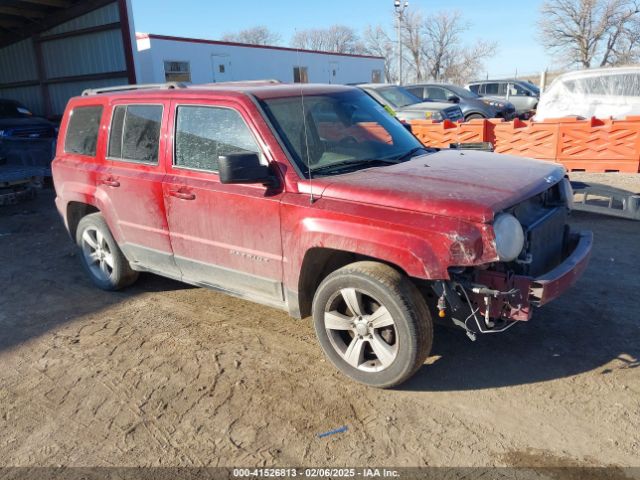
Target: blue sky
{"points": [[511, 23]]}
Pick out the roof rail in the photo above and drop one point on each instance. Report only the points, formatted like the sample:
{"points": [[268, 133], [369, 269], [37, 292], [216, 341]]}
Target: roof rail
{"points": [[141, 86], [269, 81]]}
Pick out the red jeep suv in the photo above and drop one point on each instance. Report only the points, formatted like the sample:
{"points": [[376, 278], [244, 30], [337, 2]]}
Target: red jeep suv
{"points": [[313, 199]]}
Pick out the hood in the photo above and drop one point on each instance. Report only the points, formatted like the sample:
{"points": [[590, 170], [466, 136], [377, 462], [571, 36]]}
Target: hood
{"points": [[426, 107], [468, 185]]}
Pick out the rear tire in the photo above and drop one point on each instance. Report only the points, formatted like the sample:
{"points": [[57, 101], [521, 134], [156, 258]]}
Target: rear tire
{"points": [[372, 323], [100, 255]]}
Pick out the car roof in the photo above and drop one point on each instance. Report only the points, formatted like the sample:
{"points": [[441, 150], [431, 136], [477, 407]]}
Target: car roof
{"points": [[515, 80], [261, 90], [377, 86], [433, 84]]}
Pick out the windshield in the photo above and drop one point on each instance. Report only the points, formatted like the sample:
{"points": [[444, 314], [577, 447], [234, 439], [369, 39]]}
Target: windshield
{"points": [[13, 110], [462, 92], [339, 131], [398, 97]]}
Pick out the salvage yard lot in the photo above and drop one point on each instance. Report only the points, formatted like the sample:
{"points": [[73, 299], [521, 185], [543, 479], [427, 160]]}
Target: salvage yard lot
{"points": [[167, 374]]}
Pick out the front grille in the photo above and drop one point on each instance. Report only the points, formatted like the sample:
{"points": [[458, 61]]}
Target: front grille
{"points": [[545, 241], [31, 132], [543, 219]]}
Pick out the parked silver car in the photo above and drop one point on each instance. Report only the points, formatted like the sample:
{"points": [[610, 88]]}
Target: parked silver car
{"points": [[524, 95], [406, 106]]}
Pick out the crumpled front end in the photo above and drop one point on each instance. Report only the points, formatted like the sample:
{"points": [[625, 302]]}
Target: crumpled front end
{"points": [[490, 297]]}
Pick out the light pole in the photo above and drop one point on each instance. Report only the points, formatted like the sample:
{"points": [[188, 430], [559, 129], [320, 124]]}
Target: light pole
{"points": [[400, 8]]}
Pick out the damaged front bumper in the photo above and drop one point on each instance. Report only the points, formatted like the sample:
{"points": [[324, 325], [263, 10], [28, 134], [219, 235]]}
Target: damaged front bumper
{"points": [[492, 298]]}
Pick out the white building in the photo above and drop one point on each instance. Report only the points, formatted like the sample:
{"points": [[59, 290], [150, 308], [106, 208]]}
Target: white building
{"points": [[162, 58]]}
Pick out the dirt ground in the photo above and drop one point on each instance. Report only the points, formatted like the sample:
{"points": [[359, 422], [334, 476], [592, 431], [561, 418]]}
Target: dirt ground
{"points": [[164, 374]]}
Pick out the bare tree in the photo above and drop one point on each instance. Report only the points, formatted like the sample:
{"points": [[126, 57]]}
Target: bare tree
{"points": [[376, 42], [445, 56], [338, 39], [628, 50], [465, 63], [413, 41], [442, 41], [588, 32], [433, 48], [259, 35]]}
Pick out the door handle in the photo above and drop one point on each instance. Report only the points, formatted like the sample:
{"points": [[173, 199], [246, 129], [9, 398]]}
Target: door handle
{"points": [[110, 182], [182, 195]]}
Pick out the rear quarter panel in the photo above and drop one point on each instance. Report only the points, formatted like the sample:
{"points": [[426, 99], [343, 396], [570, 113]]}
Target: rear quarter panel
{"points": [[74, 175]]}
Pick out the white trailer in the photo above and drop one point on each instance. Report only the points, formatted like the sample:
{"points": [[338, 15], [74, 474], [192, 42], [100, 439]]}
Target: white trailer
{"points": [[161, 58]]}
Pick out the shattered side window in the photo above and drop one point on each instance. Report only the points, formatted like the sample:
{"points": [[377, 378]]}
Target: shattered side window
{"points": [[82, 132], [141, 133], [205, 133]]}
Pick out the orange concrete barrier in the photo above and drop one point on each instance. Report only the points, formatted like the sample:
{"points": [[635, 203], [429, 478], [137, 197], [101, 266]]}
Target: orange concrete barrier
{"points": [[443, 134], [360, 132], [527, 139], [600, 145], [592, 145]]}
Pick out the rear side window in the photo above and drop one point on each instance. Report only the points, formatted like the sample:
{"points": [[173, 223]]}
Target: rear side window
{"points": [[82, 131], [436, 93], [135, 133], [417, 91], [491, 88], [474, 88], [205, 133]]}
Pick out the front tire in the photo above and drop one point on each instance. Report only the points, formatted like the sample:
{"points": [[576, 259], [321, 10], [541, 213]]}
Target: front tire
{"points": [[372, 323], [100, 255]]}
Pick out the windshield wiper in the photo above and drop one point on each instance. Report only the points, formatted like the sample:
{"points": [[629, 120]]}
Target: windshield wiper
{"points": [[409, 154], [353, 163]]}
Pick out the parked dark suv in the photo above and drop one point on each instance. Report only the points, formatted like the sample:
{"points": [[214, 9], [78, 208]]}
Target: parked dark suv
{"points": [[315, 200], [17, 121], [472, 105], [27, 142]]}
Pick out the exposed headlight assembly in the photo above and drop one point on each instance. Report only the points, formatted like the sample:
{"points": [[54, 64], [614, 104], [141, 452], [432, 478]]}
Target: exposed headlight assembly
{"points": [[509, 237]]}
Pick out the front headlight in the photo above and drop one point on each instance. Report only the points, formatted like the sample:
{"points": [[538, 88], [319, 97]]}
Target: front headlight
{"points": [[494, 104], [437, 116], [509, 237]]}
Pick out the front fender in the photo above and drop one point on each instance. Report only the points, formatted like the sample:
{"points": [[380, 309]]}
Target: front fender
{"points": [[424, 251], [406, 250]]}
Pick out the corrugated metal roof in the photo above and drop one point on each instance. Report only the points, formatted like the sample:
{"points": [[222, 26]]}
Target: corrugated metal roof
{"points": [[102, 16]]}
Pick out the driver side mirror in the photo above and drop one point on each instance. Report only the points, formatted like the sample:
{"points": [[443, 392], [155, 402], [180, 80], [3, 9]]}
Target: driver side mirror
{"points": [[453, 99], [241, 168]]}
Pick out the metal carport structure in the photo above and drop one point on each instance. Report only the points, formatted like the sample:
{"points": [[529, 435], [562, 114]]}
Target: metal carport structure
{"points": [[51, 50]]}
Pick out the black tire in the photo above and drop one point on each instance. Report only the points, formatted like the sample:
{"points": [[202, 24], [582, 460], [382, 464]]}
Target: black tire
{"points": [[379, 285], [115, 276], [474, 116]]}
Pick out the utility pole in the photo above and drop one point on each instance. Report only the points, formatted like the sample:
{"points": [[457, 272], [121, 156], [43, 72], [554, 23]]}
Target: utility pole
{"points": [[400, 8]]}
